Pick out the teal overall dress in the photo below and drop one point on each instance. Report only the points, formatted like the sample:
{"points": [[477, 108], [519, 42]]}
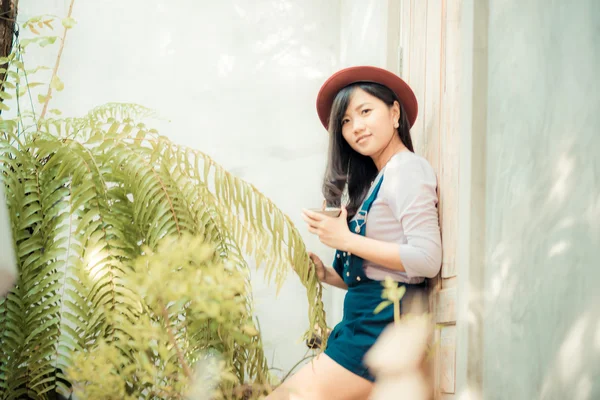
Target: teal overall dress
{"points": [[360, 326]]}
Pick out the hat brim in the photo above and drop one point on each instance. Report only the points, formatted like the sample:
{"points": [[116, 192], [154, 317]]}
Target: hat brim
{"points": [[350, 75]]}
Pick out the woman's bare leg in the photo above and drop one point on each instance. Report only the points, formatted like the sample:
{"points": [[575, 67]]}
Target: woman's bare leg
{"points": [[323, 379]]}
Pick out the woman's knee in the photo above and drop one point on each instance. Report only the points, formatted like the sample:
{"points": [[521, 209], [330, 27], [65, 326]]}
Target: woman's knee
{"points": [[324, 379]]}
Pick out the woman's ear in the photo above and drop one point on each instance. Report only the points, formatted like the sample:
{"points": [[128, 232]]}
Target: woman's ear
{"points": [[395, 111]]}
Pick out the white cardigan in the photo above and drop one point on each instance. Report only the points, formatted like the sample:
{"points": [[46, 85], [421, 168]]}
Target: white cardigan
{"points": [[405, 212]]}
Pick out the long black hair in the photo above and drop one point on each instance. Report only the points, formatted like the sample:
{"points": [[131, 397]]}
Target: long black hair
{"points": [[345, 166]]}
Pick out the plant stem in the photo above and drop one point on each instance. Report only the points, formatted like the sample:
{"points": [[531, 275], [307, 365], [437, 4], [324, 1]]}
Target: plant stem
{"points": [[396, 312], [55, 70], [306, 357], [184, 365]]}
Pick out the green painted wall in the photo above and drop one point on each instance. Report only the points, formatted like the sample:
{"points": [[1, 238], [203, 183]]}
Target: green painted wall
{"points": [[541, 337]]}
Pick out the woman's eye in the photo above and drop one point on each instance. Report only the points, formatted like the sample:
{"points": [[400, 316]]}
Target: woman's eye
{"points": [[344, 121], [366, 110]]}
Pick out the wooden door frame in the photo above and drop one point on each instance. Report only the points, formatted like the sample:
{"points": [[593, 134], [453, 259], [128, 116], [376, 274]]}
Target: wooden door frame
{"points": [[470, 242], [470, 235]]}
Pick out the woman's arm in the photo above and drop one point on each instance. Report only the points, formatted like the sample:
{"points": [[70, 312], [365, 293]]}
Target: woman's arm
{"points": [[332, 278], [410, 192], [386, 254], [423, 256]]}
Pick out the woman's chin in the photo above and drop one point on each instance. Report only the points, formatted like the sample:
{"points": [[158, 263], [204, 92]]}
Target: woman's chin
{"points": [[366, 151]]}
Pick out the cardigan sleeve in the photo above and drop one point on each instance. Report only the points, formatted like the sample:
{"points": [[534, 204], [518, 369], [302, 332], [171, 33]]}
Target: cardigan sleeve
{"points": [[410, 192]]}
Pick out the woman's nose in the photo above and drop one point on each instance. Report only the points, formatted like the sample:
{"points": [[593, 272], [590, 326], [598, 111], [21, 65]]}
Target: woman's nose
{"points": [[359, 125]]}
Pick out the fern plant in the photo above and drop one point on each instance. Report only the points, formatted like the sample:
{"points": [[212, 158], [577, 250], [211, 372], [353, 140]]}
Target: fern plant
{"points": [[85, 196], [90, 196], [193, 332]]}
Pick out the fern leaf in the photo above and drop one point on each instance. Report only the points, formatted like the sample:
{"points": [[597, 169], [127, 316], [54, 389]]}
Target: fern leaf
{"points": [[89, 195], [273, 241]]}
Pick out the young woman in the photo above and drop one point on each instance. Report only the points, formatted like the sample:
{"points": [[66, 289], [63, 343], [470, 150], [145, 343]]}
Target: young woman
{"points": [[388, 224]]}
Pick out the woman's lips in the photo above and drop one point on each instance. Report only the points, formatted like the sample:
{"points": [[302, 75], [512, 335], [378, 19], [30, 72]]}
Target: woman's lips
{"points": [[362, 138]]}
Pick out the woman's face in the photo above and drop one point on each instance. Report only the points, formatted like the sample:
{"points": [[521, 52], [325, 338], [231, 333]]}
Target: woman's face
{"points": [[368, 124]]}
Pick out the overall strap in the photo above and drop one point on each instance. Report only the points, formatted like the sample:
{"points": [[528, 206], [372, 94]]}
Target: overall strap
{"points": [[349, 266]]}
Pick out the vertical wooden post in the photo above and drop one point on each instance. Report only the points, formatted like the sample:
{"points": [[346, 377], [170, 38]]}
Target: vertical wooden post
{"points": [[430, 41]]}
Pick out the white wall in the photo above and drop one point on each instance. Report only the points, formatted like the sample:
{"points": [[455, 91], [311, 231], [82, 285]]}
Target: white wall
{"points": [[8, 269], [364, 32], [236, 79]]}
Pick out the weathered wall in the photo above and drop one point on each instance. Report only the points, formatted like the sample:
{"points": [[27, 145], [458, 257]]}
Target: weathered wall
{"points": [[542, 315]]}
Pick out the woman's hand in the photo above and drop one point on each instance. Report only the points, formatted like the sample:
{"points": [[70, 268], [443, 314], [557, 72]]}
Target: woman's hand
{"points": [[332, 232], [327, 274], [319, 267]]}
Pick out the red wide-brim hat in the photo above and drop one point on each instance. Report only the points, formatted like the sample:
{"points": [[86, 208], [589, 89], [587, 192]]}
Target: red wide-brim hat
{"points": [[350, 75]]}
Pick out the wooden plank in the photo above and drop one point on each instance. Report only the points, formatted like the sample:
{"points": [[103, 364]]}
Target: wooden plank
{"points": [[445, 306], [406, 36], [431, 43], [437, 357], [449, 136], [435, 285], [416, 71], [394, 36], [405, 20], [448, 283], [433, 92], [447, 359], [449, 229]]}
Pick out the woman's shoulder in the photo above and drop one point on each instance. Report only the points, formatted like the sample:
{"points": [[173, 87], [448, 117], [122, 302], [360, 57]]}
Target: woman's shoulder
{"points": [[409, 165], [407, 176]]}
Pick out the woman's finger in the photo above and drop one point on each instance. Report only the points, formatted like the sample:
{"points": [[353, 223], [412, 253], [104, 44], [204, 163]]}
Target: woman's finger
{"points": [[315, 259], [311, 223], [307, 219], [313, 215]]}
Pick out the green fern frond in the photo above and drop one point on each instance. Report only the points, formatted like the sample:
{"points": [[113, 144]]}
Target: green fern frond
{"points": [[257, 225], [34, 333], [124, 112], [261, 228], [87, 197], [116, 115], [167, 343]]}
